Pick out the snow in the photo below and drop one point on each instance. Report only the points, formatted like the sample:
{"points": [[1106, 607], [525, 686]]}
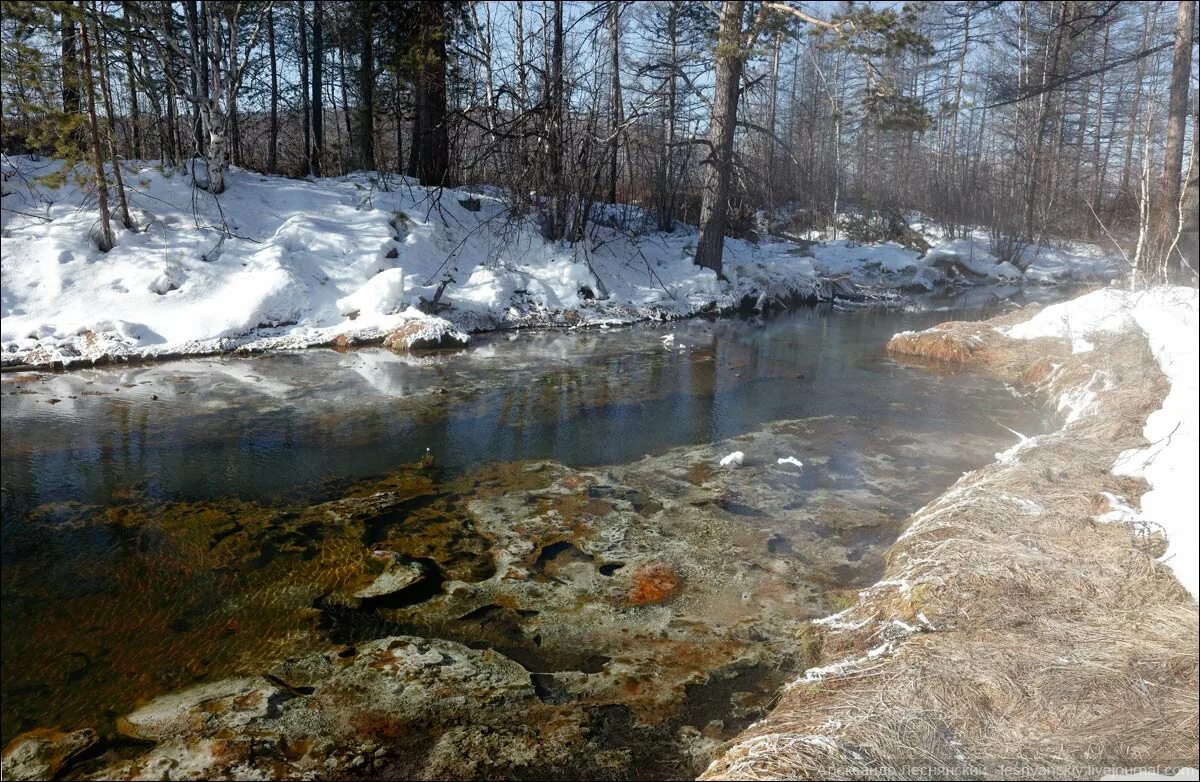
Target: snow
{"points": [[791, 460], [277, 263], [1169, 318], [734, 459], [1099, 312], [383, 294]]}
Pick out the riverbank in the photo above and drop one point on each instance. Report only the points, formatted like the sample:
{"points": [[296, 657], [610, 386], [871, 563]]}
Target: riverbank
{"points": [[277, 264], [1039, 619]]}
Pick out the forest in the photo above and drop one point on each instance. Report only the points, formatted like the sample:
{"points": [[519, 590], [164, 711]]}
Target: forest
{"points": [[1034, 120]]}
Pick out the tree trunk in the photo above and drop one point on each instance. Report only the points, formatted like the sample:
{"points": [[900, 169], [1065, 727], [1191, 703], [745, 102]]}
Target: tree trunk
{"points": [[614, 143], [399, 129], [346, 152], [318, 114], [772, 105], [1178, 111], [105, 242], [306, 115], [958, 86], [1033, 168], [135, 119], [431, 141], [366, 87], [719, 165], [556, 214], [1149, 20], [1098, 168], [174, 141], [70, 65], [273, 132], [235, 132], [519, 36], [110, 121], [666, 187], [199, 78], [1189, 231]]}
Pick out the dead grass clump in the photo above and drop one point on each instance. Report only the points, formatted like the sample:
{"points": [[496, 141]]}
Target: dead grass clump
{"points": [[1012, 635], [955, 342]]}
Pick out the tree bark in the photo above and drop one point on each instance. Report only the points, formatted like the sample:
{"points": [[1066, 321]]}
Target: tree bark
{"points": [[70, 63], [1178, 111], [110, 121], [1099, 167], [175, 142], [346, 151], [366, 87], [430, 150], [199, 72], [719, 165], [772, 105], [1033, 168], [135, 119], [105, 242], [318, 114], [1149, 20], [556, 214], [304, 107], [273, 132], [614, 33], [1189, 231]]}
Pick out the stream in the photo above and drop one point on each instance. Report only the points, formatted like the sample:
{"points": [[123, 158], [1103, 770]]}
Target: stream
{"points": [[545, 510]]}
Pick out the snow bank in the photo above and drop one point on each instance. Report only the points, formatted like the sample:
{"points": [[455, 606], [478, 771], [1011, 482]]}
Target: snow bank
{"points": [[1168, 316], [279, 263], [1104, 311]]}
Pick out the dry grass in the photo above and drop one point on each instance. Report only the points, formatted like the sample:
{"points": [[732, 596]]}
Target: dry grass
{"points": [[1013, 635]]}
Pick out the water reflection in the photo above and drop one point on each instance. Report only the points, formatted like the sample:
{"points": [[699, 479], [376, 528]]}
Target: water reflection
{"points": [[270, 427]]}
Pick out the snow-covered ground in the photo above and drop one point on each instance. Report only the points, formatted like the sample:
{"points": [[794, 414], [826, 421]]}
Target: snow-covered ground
{"points": [[1169, 318], [280, 263]]}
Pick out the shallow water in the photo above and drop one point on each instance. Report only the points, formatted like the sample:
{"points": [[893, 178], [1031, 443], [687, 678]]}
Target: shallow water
{"points": [[159, 520]]}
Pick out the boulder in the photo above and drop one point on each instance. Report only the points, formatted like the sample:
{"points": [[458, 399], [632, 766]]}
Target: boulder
{"points": [[425, 334]]}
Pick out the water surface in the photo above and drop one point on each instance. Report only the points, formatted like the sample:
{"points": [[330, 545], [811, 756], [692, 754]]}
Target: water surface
{"points": [[282, 425]]}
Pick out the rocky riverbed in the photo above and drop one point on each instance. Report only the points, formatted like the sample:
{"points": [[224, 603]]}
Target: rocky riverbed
{"points": [[522, 620]]}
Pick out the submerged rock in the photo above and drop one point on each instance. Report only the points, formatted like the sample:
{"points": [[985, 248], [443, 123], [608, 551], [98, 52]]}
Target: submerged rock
{"points": [[230, 704], [40, 753], [576, 623], [399, 574], [319, 713]]}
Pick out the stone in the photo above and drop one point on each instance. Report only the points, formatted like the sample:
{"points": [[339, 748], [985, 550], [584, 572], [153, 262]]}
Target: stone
{"points": [[400, 573], [393, 687], [231, 703], [41, 753], [427, 334]]}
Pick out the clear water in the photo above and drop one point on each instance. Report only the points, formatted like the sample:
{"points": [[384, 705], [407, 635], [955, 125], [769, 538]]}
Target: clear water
{"points": [[298, 424], [114, 479]]}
